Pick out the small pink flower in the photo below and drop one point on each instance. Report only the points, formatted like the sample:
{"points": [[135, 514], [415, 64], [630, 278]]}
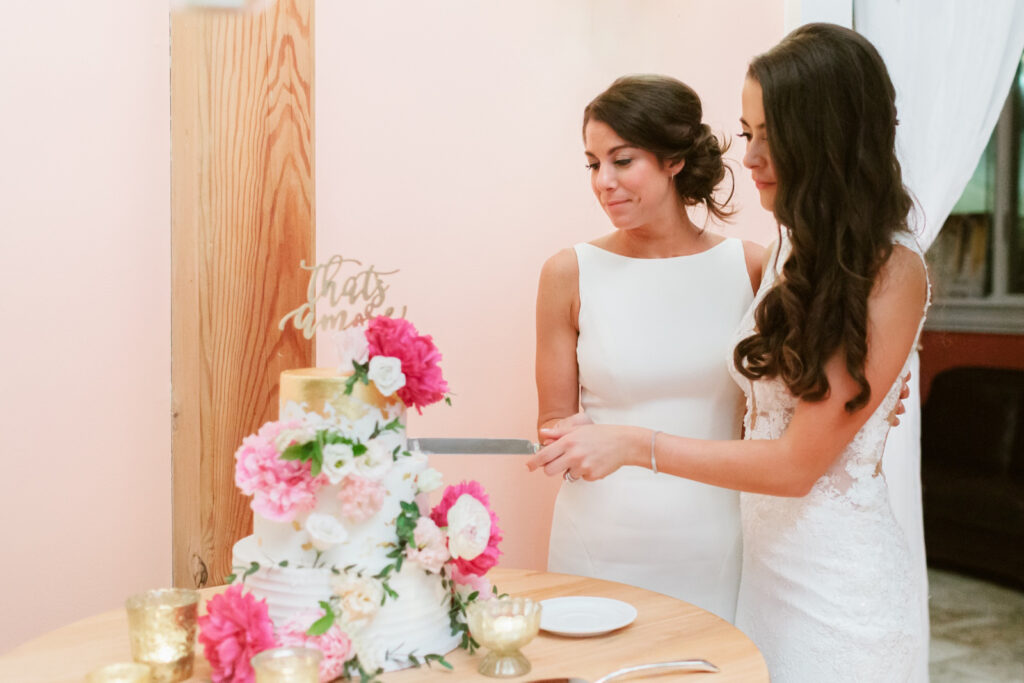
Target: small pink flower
{"points": [[281, 489], [480, 564], [236, 627], [397, 338], [361, 498], [335, 644], [470, 583], [431, 549]]}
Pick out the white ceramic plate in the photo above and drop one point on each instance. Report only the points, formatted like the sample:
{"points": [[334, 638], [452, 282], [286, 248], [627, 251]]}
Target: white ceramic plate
{"points": [[581, 616]]}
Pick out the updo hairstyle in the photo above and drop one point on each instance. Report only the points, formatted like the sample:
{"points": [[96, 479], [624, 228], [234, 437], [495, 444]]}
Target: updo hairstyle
{"points": [[663, 116]]}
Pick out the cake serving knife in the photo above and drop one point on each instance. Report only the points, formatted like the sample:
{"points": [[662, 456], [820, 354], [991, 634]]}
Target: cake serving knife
{"points": [[454, 446]]}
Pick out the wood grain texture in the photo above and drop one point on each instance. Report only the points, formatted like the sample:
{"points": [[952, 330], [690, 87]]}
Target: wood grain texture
{"points": [[665, 629], [242, 204]]}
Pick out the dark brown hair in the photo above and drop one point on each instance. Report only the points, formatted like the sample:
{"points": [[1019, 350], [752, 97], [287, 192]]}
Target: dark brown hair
{"points": [[830, 114], [663, 116]]}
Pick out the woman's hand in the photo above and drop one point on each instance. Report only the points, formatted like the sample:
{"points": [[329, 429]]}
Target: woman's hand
{"points": [[563, 426], [894, 418], [588, 451]]}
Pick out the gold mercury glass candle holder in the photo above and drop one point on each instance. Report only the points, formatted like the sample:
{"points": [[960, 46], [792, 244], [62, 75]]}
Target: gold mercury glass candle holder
{"points": [[504, 625], [287, 665], [121, 672], [162, 626]]}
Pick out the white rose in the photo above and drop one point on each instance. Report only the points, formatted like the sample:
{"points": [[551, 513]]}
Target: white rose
{"points": [[325, 531], [360, 597], [469, 527], [375, 462], [338, 461], [429, 480], [386, 373], [352, 347], [289, 436]]}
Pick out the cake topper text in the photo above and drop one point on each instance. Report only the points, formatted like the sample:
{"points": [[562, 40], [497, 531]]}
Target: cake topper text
{"points": [[330, 289]]}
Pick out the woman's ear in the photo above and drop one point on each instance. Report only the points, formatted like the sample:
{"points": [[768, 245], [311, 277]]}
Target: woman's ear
{"points": [[675, 167]]}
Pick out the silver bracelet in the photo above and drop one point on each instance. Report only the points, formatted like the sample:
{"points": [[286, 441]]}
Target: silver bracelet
{"points": [[654, 462]]}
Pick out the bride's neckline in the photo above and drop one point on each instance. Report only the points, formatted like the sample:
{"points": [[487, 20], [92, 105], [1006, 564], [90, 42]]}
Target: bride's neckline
{"points": [[658, 258]]}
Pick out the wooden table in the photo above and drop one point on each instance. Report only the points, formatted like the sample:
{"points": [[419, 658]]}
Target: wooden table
{"points": [[665, 629]]}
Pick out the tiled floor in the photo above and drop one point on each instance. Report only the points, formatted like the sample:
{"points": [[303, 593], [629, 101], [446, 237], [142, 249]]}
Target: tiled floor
{"points": [[977, 630]]}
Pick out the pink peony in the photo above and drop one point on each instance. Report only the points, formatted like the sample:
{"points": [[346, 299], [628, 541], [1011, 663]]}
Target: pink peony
{"points": [[236, 627], [398, 338], [335, 644], [431, 550], [361, 498], [281, 489], [480, 564]]}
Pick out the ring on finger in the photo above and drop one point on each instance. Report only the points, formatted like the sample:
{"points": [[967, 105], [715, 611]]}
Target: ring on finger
{"points": [[569, 477]]}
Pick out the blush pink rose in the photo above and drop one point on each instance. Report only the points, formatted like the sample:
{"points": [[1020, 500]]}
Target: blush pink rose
{"points": [[397, 338], [335, 644], [431, 550], [480, 564], [361, 498], [236, 627]]}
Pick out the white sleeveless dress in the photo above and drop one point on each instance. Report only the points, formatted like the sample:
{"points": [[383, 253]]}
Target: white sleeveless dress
{"points": [[827, 592], [651, 335]]}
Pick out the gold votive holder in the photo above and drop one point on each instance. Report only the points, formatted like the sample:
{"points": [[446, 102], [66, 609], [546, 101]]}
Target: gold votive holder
{"points": [[162, 627], [121, 672], [287, 665], [504, 626]]}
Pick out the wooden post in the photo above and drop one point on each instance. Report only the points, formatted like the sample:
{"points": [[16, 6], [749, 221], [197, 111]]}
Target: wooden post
{"points": [[243, 202]]}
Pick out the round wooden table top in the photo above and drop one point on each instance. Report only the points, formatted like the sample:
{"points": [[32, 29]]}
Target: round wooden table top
{"points": [[665, 629]]}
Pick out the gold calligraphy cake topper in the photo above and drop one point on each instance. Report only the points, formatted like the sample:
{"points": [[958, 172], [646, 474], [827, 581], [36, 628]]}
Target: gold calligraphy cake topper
{"points": [[339, 300]]}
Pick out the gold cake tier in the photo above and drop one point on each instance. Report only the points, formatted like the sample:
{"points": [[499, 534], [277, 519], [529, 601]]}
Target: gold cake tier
{"points": [[319, 387]]}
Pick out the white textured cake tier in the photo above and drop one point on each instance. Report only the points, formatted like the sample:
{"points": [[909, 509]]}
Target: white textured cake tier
{"points": [[416, 622]]}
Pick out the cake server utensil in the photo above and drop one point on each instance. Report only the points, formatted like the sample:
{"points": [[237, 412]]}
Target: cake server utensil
{"points": [[678, 665], [453, 446]]}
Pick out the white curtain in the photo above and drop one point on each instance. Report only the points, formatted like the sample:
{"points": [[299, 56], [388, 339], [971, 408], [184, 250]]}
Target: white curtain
{"points": [[952, 63]]}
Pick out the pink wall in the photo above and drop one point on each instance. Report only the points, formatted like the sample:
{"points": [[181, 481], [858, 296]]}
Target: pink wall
{"points": [[448, 146], [84, 296]]}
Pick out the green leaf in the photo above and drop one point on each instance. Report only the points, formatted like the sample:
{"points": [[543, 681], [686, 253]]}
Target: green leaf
{"points": [[473, 596], [230, 578], [253, 568], [448, 400], [359, 449], [439, 659], [294, 452], [324, 623], [282, 563]]}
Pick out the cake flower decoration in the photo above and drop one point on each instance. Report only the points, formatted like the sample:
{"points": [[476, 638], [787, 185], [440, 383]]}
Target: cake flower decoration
{"points": [[466, 527], [236, 627], [417, 376]]}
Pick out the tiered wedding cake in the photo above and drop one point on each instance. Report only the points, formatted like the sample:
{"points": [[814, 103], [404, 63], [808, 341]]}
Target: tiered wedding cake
{"points": [[343, 544]]}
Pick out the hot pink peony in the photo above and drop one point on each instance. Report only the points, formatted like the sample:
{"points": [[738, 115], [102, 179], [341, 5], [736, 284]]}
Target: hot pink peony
{"points": [[335, 644], [480, 564], [281, 489], [361, 498], [235, 628], [398, 338]]}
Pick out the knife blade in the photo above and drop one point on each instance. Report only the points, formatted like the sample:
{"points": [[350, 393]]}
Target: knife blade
{"points": [[454, 446]]}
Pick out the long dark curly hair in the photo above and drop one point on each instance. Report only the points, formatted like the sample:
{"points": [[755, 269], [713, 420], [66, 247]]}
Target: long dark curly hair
{"points": [[830, 115]]}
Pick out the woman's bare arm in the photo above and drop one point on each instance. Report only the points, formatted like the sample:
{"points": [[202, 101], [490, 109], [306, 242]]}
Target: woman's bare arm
{"points": [[816, 435]]}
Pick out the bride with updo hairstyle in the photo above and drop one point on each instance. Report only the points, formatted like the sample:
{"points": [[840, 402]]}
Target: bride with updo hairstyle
{"points": [[828, 590], [631, 329]]}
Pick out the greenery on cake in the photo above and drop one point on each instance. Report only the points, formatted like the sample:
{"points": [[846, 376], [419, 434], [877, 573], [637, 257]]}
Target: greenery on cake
{"points": [[287, 463]]}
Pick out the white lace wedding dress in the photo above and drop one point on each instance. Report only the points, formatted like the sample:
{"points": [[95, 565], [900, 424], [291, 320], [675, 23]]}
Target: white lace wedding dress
{"points": [[826, 592]]}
